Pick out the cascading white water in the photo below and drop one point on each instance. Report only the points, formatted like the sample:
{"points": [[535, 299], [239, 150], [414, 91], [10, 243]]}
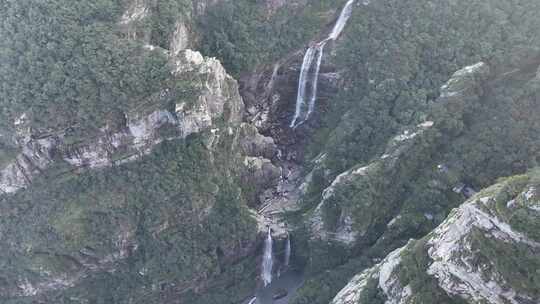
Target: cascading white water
{"points": [[300, 114], [268, 259], [302, 83], [287, 251], [311, 107], [252, 301], [342, 20]]}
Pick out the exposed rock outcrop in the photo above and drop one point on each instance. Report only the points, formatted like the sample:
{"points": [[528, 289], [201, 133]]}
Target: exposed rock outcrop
{"points": [[135, 13], [336, 218], [352, 205], [459, 255], [213, 112], [217, 99], [181, 38]]}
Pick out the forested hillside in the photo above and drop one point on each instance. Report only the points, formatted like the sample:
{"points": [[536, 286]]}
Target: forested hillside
{"points": [[150, 151]]}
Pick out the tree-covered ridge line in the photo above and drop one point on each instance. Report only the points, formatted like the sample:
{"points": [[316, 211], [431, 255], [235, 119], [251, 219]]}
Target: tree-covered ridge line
{"points": [[478, 254], [394, 72], [73, 68], [170, 210], [244, 35], [64, 63], [154, 228], [396, 57]]}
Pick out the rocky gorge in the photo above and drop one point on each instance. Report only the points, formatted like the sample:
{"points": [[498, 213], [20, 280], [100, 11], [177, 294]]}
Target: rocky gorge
{"points": [[168, 154]]}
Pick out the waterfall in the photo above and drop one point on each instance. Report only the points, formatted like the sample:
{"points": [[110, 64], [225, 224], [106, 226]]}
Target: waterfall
{"points": [[313, 98], [342, 20], [267, 259], [302, 82], [287, 251], [252, 301], [300, 114]]}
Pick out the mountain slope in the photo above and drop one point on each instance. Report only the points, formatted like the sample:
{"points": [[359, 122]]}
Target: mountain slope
{"points": [[128, 178], [486, 251], [134, 168]]}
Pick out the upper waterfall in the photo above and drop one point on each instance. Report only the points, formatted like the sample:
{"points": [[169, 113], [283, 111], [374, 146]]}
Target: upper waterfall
{"points": [[309, 72], [342, 20], [302, 83]]}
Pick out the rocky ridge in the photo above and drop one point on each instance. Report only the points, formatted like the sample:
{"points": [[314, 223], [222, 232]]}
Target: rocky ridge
{"points": [[455, 259], [141, 131], [399, 157]]}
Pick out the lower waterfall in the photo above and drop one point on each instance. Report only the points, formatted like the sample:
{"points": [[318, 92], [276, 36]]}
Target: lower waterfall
{"points": [[287, 251], [268, 259]]}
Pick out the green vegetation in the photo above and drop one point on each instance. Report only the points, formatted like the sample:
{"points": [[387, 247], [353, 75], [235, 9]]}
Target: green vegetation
{"points": [[397, 54], [163, 17], [175, 210], [243, 35], [517, 263], [413, 272], [372, 294], [322, 287], [394, 74], [518, 214], [65, 64], [181, 210], [7, 154]]}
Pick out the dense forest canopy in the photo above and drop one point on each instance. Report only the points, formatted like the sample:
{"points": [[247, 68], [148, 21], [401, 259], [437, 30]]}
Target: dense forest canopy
{"points": [[134, 169], [65, 64]]}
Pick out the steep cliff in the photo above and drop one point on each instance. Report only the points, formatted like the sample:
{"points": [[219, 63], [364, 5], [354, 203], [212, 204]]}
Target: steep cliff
{"points": [[347, 211], [135, 169], [486, 251], [148, 202], [425, 170], [214, 94], [159, 201]]}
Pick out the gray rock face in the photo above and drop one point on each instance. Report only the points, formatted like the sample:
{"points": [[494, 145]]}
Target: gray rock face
{"points": [[270, 94], [36, 155], [136, 11], [385, 274], [181, 38], [217, 99], [214, 111], [254, 144], [451, 250], [462, 82], [259, 171], [346, 228], [456, 262], [262, 172]]}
